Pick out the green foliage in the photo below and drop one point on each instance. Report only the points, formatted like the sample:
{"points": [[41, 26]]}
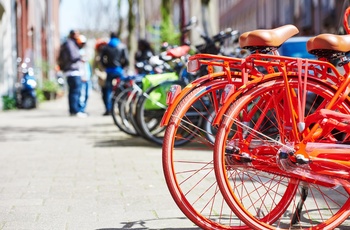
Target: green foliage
{"points": [[50, 86], [168, 32], [40, 95], [8, 102]]}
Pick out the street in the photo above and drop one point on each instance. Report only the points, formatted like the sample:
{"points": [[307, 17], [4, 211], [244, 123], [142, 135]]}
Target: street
{"points": [[70, 173]]}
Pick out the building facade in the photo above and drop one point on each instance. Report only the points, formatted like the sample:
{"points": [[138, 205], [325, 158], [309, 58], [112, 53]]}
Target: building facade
{"points": [[8, 49], [29, 28], [182, 12], [311, 17], [28, 31]]}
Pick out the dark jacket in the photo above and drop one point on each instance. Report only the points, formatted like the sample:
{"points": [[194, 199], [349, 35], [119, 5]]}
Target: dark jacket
{"points": [[115, 42], [74, 55]]}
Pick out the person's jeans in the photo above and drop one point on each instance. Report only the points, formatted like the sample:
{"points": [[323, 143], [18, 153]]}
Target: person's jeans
{"points": [[74, 89], [109, 91], [84, 95]]}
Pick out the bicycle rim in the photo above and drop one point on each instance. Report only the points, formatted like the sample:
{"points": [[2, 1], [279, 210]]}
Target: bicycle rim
{"points": [[188, 168]]}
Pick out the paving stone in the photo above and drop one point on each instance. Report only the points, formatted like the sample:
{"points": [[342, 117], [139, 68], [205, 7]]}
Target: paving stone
{"points": [[64, 173]]}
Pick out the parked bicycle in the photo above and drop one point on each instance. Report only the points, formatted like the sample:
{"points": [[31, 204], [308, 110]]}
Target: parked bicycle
{"points": [[291, 153], [144, 108], [281, 152], [129, 90], [188, 170], [155, 113]]}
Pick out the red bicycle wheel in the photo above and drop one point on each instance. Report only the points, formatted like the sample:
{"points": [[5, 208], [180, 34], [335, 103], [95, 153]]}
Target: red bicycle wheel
{"points": [[188, 160]]}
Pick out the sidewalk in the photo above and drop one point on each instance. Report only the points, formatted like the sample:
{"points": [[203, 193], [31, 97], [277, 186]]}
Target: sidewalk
{"points": [[69, 173]]}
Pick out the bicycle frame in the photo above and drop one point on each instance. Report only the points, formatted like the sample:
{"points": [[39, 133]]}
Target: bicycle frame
{"points": [[293, 66], [328, 155], [226, 63]]}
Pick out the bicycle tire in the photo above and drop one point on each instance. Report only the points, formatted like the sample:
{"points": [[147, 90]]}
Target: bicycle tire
{"points": [[188, 169], [239, 181], [119, 114], [130, 109]]}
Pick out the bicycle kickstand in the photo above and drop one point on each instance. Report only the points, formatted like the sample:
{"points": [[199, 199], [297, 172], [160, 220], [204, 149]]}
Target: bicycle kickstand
{"points": [[297, 214]]}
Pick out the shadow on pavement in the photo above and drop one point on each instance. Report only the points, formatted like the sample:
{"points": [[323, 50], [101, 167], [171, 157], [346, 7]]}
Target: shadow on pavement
{"points": [[126, 142], [149, 228], [99, 134], [142, 225], [15, 133]]}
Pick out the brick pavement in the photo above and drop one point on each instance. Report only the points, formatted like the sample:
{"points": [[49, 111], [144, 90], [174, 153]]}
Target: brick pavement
{"points": [[61, 172]]}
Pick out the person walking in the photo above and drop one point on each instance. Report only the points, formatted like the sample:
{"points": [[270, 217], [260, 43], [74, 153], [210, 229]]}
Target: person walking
{"points": [[114, 57], [69, 62]]}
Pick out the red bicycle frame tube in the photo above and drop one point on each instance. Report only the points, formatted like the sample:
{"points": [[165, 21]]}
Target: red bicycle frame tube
{"points": [[226, 63]]}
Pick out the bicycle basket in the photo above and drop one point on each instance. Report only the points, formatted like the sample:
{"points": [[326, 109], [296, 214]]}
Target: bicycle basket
{"points": [[158, 95]]}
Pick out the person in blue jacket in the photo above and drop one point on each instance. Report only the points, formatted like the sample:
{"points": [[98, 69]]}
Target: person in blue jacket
{"points": [[114, 57]]}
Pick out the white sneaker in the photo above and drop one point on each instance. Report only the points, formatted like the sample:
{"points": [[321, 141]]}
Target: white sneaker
{"points": [[81, 114]]}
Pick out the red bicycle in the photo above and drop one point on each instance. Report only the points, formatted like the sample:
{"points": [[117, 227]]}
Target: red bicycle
{"points": [[190, 134], [281, 154]]}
